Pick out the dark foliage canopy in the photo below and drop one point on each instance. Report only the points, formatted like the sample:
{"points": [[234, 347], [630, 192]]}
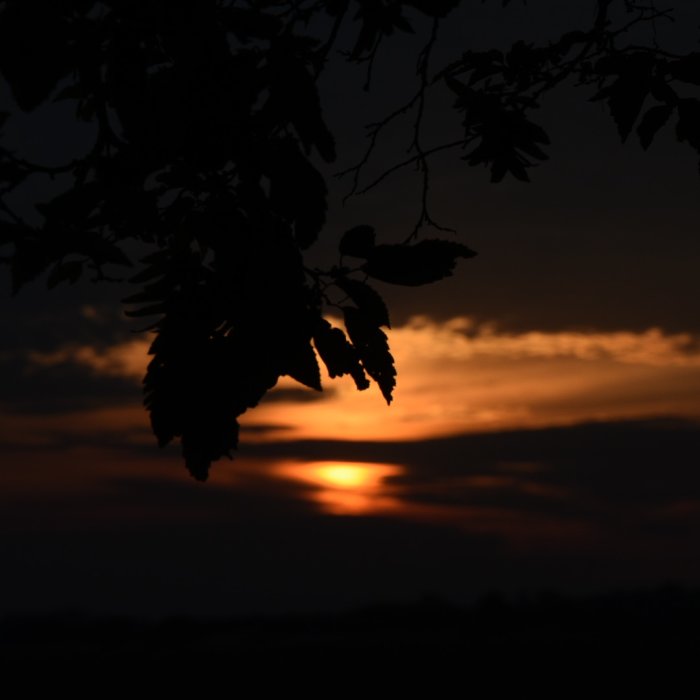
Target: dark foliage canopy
{"points": [[209, 132]]}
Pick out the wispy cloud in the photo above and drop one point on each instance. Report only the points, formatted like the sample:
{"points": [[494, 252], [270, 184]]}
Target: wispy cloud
{"points": [[127, 359], [462, 339], [459, 376]]}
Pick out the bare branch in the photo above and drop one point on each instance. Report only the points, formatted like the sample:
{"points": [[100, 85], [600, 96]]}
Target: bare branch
{"points": [[424, 217], [374, 131], [413, 159]]}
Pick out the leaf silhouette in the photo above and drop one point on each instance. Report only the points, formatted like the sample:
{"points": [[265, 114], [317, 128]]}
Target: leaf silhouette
{"points": [[688, 127], [357, 241], [413, 265], [301, 364], [367, 300], [651, 122], [339, 356], [373, 349], [506, 136], [626, 96], [197, 385], [207, 129]]}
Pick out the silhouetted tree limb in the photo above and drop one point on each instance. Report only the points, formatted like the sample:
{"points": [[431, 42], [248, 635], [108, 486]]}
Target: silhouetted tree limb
{"points": [[208, 129]]}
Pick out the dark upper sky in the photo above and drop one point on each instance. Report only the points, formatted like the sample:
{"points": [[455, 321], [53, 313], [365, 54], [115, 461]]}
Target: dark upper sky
{"points": [[602, 237]]}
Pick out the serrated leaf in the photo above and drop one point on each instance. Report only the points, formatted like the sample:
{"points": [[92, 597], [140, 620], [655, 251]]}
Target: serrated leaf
{"points": [[196, 386], [201, 448], [499, 168], [373, 349], [627, 94], [357, 242], [338, 354], [366, 299], [651, 122], [688, 126], [301, 364], [414, 265], [517, 168], [626, 103]]}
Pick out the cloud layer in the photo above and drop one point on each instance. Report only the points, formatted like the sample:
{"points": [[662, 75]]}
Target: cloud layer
{"points": [[458, 376]]}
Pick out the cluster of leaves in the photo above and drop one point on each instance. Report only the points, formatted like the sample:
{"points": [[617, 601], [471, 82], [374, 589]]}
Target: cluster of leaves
{"points": [[208, 127], [496, 90], [207, 122], [630, 81]]}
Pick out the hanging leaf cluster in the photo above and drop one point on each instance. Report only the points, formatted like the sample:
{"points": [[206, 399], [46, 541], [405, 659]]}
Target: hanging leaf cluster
{"points": [[642, 87], [208, 142], [208, 129]]}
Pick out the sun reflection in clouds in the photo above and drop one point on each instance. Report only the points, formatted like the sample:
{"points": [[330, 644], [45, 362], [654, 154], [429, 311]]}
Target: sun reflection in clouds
{"points": [[347, 488]]}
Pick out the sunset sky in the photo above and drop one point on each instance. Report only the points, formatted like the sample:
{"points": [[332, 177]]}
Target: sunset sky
{"points": [[544, 432]]}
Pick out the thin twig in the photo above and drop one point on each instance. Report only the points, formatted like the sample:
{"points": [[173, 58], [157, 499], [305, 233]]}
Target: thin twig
{"points": [[413, 159], [370, 64], [326, 48], [422, 70], [375, 129], [643, 16]]}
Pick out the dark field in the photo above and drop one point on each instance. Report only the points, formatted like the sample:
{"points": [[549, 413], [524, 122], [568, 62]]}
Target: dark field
{"points": [[624, 625]]}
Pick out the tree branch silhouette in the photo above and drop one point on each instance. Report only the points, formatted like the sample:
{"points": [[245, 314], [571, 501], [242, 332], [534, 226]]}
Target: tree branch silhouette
{"points": [[209, 129]]}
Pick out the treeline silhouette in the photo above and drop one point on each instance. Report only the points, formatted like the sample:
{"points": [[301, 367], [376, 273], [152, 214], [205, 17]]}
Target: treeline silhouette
{"points": [[623, 625]]}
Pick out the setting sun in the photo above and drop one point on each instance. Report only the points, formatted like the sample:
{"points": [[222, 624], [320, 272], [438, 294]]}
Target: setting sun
{"points": [[347, 488], [350, 476]]}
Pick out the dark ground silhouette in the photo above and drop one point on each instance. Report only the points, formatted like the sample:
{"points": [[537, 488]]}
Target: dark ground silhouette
{"points": [[613, 628]]}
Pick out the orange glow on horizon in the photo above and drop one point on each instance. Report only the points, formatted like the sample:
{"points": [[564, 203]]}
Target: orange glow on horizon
{"points": [[454, 377]]}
